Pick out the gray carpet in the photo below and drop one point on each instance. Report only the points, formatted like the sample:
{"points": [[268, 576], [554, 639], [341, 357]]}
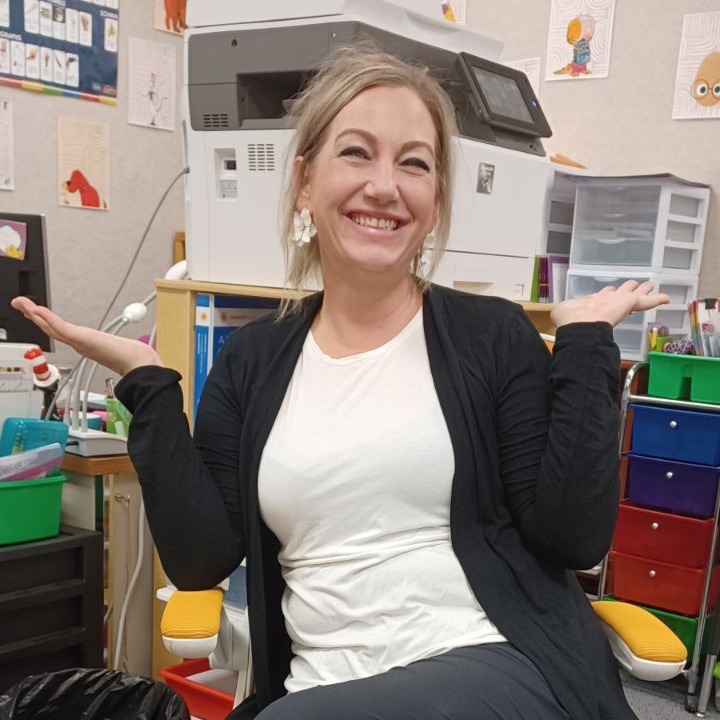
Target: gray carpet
{"points": [[662, 700]]}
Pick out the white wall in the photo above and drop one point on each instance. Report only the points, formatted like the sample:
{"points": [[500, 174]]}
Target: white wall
{"points": [[621, 124], [89, 251]]}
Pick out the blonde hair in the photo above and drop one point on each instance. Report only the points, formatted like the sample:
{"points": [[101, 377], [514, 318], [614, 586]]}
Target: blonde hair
{"points": [[348, 72]]}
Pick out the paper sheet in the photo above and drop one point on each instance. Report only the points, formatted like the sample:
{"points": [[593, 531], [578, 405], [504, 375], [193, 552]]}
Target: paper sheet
{"points": [[579, 39], [83, 164], [151, 84], [7, 141], [697, 83]]}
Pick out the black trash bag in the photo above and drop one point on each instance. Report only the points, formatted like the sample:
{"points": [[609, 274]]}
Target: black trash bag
{"points": [[91, 694]]}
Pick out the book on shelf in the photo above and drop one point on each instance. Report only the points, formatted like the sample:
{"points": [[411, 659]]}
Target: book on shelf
{"points": [[216, 316], [705, 326], [549, 278]]}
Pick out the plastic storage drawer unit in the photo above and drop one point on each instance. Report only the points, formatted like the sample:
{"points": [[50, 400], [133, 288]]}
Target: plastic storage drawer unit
{"points": [[686, 377], [685, 435], [679, 487], [663, 585], [663, 536]]}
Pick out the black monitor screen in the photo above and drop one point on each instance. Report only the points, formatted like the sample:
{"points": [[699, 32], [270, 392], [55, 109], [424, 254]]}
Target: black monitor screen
{"points": [[23, 271], [503, 96]]}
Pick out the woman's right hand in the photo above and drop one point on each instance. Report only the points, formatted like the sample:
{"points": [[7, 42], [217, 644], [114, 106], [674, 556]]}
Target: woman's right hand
{"points": [[119, 354]]}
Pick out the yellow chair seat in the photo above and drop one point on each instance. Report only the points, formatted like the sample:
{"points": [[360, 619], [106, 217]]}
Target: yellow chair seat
{"points": [[192, 615], [646, 636]]}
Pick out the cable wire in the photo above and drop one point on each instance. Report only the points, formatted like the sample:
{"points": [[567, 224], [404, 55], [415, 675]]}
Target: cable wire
{"points": [[134, 258]]}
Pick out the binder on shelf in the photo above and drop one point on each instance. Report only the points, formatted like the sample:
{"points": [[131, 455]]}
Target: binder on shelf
{"points": [[216, 316], [557, 265]]}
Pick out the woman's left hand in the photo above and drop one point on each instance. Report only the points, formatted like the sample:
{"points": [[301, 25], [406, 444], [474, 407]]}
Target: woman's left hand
{"points": [[610, 304]]}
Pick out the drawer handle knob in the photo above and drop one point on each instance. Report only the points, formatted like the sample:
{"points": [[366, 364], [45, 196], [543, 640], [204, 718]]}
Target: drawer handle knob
{"points": [[652, 573], [669, 474], [673, 424], [655, 526]]}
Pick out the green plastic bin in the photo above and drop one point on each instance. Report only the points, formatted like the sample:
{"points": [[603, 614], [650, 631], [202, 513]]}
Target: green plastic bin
{"points": [[684, 377], [30, 509]]}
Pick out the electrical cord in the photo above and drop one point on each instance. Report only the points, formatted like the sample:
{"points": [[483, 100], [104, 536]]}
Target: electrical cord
{"points": [[131, 586], [134, 258]]}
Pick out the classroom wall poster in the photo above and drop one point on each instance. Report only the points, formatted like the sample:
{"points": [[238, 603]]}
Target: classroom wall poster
{"points": [[7, 141], [531, 67], [579, 39], [170, 16], [151, 84], [62, 47], [83, 164], [697, 83]]}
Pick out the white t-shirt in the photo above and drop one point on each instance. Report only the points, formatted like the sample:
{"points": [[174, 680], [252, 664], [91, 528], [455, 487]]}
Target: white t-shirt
{"points": [[355, 482]]}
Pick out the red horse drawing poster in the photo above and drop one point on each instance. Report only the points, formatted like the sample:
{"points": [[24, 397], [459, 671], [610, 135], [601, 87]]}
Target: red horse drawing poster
{"points": [[83, 164]]}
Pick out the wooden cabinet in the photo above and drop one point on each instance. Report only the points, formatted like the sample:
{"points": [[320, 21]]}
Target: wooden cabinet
{"points": [[114, 476]]}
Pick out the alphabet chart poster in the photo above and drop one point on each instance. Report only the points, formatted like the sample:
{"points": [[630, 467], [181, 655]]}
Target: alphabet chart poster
{"points": [[62, 47], [579, 39], [697, 84]]}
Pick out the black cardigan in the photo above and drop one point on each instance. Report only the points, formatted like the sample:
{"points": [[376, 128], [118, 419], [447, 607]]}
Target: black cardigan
{"points": [[534, 494]]}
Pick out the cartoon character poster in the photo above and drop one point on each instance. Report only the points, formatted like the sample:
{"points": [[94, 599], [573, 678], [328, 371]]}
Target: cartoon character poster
{"points": [[170, 15], [579, 39], [697, 83], [151, 84], [83, 164]]}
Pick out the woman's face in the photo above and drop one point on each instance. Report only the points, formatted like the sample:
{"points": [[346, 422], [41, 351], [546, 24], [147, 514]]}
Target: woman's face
{"points": [[372, 188]]}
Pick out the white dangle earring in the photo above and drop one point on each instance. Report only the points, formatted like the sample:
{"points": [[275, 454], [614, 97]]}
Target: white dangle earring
{"points": [[426, 251], [303, 227]]}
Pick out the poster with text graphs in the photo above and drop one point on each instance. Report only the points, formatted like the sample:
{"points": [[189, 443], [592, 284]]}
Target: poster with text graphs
{"points": [[62, 47]]}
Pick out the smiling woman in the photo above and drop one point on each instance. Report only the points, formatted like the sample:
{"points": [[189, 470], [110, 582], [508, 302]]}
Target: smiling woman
{"points": [[407, 470]]}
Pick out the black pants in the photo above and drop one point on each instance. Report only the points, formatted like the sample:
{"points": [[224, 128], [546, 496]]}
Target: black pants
{"points": [[482, 682]]}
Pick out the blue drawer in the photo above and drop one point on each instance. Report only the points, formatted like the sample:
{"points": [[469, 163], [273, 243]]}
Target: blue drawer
{"points": [[683, 488], [683, 435]]}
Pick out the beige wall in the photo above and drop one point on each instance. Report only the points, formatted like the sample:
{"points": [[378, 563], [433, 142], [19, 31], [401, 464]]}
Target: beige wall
{"points": [[621, 124], [89, 250]]}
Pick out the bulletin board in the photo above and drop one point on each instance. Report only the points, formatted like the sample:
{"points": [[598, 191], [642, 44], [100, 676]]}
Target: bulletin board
{"points": [[63, 47]]}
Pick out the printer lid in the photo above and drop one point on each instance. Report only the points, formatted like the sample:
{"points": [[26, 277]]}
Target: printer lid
{"points": [[413, 19]]}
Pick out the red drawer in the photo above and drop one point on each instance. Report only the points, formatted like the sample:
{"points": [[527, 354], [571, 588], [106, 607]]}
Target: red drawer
{"points": [[662, 536], [661, 585]]}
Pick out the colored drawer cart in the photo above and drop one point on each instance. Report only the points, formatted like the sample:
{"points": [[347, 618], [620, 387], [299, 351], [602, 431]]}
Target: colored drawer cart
{"points": [[685, 435], [676, 486], [676, 588], [684, 377], [663, 536]]}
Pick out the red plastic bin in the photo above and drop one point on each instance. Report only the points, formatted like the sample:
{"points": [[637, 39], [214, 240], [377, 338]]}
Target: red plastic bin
{"points": [[204, 702]]}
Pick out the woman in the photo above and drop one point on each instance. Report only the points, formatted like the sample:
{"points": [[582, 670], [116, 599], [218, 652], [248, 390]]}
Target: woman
{"points": [[412, 478]]}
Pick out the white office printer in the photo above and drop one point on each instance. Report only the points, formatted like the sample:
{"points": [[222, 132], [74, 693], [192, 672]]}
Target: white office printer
{"points": [[244, 60]]}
